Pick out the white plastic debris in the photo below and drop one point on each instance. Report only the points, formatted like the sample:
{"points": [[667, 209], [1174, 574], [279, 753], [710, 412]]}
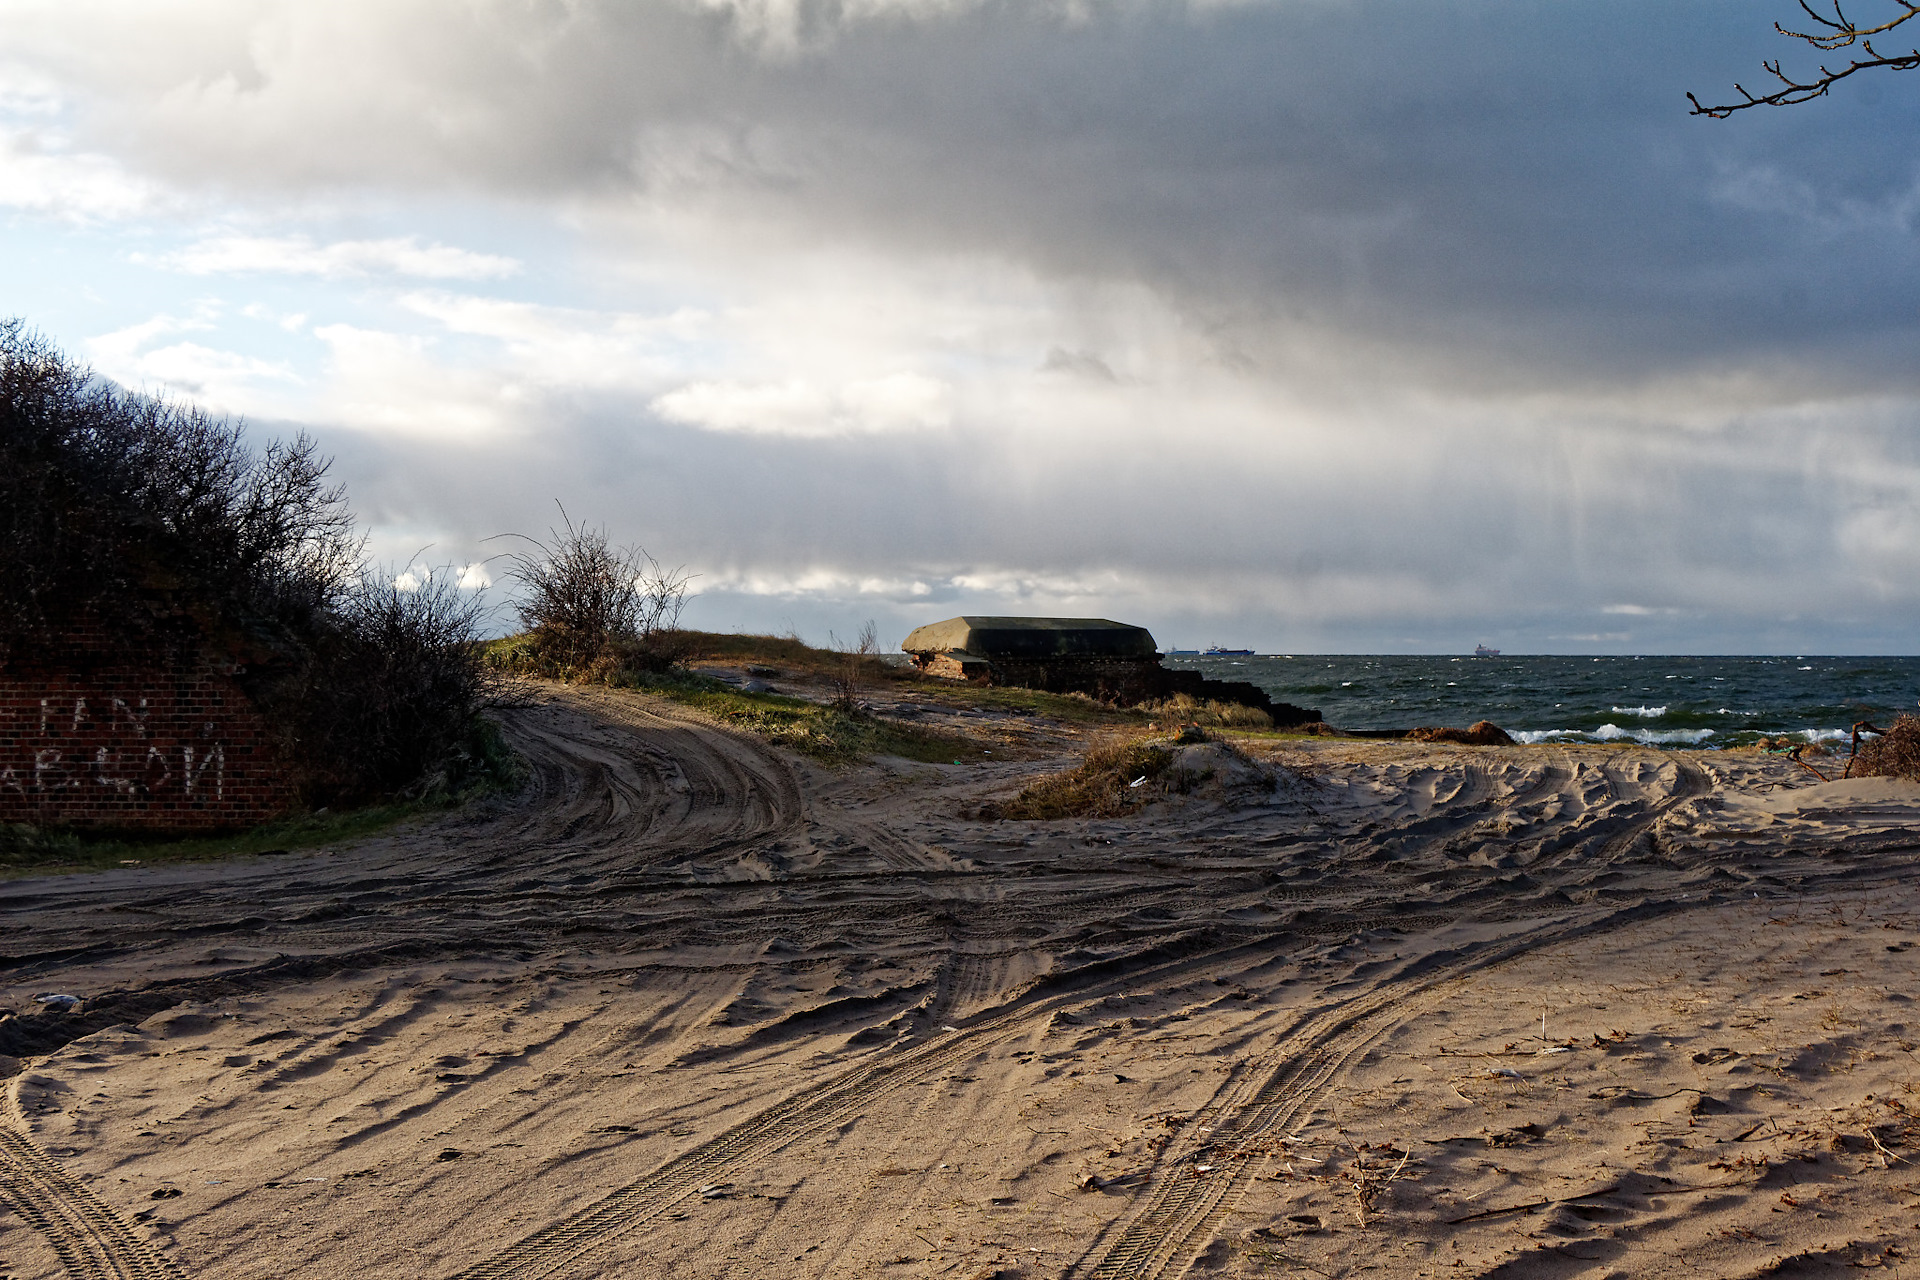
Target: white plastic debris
{"points": [[55, 1000], [1137, 781]]}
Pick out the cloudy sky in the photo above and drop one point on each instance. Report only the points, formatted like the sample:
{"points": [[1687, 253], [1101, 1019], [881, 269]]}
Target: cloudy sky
{"points": [[1306, 325]]}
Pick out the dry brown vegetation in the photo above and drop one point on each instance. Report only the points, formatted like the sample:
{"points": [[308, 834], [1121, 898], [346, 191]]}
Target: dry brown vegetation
{"points": [[1894, 754], [1184, 708], [1482, 733], [1101, 786]]}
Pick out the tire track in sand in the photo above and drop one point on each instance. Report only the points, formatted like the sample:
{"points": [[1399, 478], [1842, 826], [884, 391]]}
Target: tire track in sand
{"points": [[1186, 1202], [757, 1137], [91, 1240], [831, 1102]]}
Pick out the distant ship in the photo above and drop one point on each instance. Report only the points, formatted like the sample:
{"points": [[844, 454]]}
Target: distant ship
{"points": [[1481, 651], [1215, 651], [1182, 653]]}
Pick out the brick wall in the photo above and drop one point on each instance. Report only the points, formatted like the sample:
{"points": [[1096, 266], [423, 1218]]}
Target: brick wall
{"points": [[168, 742]]}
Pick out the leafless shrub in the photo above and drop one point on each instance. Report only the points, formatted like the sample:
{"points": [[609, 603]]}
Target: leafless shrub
{"points": [[593, 609], [852, 667]]}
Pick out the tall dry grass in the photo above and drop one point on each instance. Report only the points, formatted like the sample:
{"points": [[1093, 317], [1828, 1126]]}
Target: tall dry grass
{"points": [[1183, 708]]}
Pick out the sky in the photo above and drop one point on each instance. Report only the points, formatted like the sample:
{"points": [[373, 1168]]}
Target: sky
{"points": [[1296, 325]]}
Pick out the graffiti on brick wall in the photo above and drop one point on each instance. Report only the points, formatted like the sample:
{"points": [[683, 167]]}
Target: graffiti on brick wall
{"points": [[137, 769]]}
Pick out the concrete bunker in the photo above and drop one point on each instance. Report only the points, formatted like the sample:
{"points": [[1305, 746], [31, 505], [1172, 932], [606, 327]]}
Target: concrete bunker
{"points": [[1112, 661]]}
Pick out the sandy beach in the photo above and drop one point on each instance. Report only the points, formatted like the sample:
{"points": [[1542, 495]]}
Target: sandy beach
{"points": [[694, 1007]]}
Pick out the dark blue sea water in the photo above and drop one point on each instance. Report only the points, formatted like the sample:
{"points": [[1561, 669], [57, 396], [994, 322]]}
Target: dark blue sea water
{"points": [[1688, 702]]}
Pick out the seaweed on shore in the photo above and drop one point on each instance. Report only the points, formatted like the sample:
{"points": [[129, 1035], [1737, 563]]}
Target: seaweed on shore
{"points": [[1893, 754]]}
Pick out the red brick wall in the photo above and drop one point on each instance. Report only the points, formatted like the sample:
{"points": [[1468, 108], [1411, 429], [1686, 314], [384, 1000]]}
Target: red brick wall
{"points": [[163, 744]]}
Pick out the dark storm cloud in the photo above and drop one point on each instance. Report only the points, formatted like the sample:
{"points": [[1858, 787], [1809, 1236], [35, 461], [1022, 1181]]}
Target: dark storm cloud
{"points": [[1486, 189], [1430, 322]]}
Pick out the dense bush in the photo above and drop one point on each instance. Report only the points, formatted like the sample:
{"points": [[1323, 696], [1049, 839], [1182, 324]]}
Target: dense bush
{"points": [[136, 509], [159, 521]]}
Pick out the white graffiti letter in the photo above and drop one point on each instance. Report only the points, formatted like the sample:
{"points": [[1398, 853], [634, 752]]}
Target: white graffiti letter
{"points": [[217, 757], [138, 719], [155, 757]]}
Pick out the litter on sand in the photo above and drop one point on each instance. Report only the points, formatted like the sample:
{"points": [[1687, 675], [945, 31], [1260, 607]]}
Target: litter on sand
{"points": [[54, 1000], [1137, 781]]}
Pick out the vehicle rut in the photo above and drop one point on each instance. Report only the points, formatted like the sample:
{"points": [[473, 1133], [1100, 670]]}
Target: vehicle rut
{"points": [[90, 1239]]}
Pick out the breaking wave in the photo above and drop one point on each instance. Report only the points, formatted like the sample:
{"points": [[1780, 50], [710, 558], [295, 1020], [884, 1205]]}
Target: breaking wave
{"points": [[1614, 733]]}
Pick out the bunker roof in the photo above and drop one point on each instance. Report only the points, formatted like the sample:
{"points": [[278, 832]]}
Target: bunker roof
{"points": [[1032, 638]]}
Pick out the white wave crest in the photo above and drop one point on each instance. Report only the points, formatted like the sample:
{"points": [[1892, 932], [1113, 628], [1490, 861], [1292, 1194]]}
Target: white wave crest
{"points": [[1614, 733], [1645, 713]]}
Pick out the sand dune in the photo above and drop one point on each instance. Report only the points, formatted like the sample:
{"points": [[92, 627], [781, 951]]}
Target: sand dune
{"points": [[693, 1008]]}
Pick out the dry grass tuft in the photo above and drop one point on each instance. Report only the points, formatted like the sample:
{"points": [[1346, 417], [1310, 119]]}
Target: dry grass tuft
{"points": [[1183, 708], [1100, 787], [1894, 754]]}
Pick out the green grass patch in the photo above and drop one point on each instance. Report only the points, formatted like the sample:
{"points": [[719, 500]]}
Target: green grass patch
{"points": [[481, 766], [26, 850], [1071, 708], [823, 732]]}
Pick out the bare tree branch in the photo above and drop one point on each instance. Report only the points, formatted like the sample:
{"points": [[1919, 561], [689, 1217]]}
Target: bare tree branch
{"points": [[1837, 32]]}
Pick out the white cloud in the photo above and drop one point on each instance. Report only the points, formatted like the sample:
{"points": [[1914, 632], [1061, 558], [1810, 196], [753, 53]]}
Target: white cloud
{"points": [[391, 382], [39, 174], [139, 356], [475, 577], [895, 402], [299, 255]]}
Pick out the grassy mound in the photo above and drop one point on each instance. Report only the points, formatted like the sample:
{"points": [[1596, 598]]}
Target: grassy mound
{"points": [[1183, 708], [826, 733], [1101, 786]]}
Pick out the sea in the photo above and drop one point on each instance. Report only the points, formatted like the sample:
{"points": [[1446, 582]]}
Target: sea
{"points": [[1694, 702]]}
